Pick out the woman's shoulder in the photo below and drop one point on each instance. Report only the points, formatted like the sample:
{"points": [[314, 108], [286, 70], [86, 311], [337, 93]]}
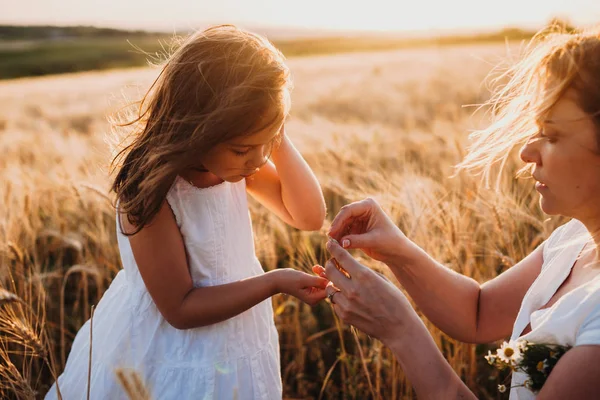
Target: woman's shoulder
{"points": [[568, 229], [568, 237]]}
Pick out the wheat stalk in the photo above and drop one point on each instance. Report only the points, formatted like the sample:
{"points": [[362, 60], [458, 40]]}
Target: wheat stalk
{"points": [[26, 336], [133, 384], [7, 297]]}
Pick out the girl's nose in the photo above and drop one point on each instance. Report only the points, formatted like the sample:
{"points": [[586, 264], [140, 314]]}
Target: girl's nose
{"points": [[529, 152], [261, 156]]}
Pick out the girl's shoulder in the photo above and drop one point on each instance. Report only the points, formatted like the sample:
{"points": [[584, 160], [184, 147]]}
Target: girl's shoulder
{"points": [[185, 198]]}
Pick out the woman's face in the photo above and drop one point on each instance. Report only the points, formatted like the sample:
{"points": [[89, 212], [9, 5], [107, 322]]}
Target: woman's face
{"points": [[241, 157], [566, 161]]}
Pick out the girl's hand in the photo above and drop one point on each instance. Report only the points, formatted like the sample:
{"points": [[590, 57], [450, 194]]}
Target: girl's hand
{"points": [[308, 288], [364, 225]]}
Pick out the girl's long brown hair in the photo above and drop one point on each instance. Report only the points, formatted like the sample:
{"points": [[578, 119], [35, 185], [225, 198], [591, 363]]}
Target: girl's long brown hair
{"points": [[218, 85]]}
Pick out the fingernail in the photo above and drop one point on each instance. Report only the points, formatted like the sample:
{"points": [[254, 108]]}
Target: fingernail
{"points": [[345, 243], [334, 241]]}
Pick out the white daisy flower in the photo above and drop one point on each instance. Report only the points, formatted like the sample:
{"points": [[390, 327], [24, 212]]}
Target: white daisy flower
{"points": [[501, 388], [510, 353], [522, 345], [491, 358]]}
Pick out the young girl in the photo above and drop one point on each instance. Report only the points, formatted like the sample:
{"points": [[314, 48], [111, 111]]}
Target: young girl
{"points": [[190, 311]]}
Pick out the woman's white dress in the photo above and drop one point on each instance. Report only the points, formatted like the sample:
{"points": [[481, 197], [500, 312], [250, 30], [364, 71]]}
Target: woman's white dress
{"points": [[575, 318], [234, 359]]}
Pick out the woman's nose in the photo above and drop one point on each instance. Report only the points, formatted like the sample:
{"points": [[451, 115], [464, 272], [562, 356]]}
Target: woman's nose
{"points": [[529, 152]]}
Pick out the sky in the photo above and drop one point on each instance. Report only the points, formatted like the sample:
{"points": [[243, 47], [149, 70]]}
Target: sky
{"points": [[377, 15]]}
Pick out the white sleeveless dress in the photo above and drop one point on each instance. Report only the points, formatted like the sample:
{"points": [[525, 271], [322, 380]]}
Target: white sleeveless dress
{"points": [[574, 319], [234, 359]]}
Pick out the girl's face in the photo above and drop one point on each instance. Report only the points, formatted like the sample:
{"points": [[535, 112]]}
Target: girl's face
{"points": [[566, 161], [241, 157]]}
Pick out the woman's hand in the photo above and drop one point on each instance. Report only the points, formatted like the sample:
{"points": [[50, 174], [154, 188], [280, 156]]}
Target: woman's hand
{"points": [[308, 288], [375, 306], [364, 225], [366, 300]]}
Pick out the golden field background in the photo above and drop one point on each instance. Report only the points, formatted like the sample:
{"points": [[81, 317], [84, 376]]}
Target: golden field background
{"points": [[389, 125]]}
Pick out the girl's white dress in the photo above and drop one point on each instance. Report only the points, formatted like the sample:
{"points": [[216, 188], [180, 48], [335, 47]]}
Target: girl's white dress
{"points": [[234, 359], [575, 318]]}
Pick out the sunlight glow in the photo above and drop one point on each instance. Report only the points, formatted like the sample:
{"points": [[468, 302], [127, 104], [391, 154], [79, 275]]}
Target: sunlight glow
{"points": [[398, 15]]}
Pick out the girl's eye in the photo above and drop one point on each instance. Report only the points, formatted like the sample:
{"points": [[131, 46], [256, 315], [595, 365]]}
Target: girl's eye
{"points": [[240, 153]]}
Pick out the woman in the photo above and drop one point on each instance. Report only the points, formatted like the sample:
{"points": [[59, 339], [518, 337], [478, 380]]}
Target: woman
{"points": [[550, 106]]}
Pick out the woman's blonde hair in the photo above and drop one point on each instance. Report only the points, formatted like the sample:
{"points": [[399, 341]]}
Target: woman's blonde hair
{"points": [[221, 83], [554, 62]]}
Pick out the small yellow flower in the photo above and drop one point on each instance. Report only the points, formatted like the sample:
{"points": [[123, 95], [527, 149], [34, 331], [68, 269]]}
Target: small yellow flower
{"points": [[501, 388], [540, 366]]}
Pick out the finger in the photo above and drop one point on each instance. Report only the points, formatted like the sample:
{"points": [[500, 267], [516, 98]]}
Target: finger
{"points": [[315, 294], [331, 288], [319, 294], [314, 281], [336, 276], [339, 302], [339, 268], [346, 261], [360, 241], [345, 217], [330, 292], [319, 270]]}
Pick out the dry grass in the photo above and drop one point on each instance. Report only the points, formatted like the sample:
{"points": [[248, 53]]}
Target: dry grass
{"points": [[389, 125]]}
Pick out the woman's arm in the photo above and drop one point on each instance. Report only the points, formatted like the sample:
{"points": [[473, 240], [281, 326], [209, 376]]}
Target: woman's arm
{"points": [[288, 187], [575, 376], [455, 303], [378, 308], [160, 255], [424, 365]]}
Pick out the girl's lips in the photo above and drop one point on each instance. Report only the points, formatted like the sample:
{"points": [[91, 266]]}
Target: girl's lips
{"points": [[250, 174]]}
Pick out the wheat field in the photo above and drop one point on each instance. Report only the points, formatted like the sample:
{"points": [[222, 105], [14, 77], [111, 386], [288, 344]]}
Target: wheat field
{"points": [[390, 125]]}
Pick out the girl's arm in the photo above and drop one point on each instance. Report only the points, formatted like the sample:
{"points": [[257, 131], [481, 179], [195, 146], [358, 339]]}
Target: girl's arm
{"points": [[160, 255], [288, 187]]}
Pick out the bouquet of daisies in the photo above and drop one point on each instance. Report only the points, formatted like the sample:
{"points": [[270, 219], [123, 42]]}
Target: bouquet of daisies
{"points": [[534, 359]]}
